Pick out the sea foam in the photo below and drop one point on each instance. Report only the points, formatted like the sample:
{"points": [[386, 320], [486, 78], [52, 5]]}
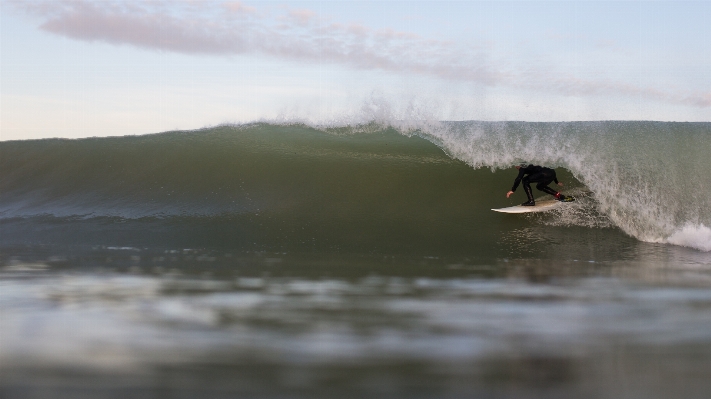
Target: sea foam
{"points": [[694, 236]]}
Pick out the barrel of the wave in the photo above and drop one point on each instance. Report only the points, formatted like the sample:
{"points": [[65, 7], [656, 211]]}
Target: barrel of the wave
{"points": [[649, 179]]}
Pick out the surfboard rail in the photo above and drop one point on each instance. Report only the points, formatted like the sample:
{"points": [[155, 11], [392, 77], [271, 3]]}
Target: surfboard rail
{"points": [[541, 206]]}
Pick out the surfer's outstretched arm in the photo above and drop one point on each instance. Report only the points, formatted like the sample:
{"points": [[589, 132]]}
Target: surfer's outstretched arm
{"points": [[521, 173]]}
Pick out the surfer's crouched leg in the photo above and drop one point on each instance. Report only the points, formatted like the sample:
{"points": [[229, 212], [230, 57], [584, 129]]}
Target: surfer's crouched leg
{"points": [[543, 186], [529, 193], [559, 196]]}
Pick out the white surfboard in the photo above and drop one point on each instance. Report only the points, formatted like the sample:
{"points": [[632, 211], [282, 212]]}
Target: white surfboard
{"points": [[541, 206]]}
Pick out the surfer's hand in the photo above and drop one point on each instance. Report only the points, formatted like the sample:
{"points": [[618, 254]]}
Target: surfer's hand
{"points": [[509, 194], [560, 184]]}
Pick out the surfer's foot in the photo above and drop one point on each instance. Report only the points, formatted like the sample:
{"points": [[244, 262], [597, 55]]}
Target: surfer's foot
{"points": [[529, 203]]}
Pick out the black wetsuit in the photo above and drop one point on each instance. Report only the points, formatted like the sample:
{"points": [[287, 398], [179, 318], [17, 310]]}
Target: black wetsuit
{"points": [[535, 174]]}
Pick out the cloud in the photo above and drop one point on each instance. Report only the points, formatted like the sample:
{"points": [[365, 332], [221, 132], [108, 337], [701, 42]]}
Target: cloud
{"points": [[238, 7], [303, 17], [232, 28], [699, 99]]}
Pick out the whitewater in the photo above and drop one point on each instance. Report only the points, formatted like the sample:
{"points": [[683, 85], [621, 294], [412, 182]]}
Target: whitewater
{"points": [[651, 179]]}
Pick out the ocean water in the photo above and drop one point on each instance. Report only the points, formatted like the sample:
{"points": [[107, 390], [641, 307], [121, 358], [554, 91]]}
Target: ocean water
{"points": [[294, 260]]}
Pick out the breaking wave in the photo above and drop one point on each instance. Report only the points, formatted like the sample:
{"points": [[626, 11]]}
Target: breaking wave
{"points": [[392, 179]]}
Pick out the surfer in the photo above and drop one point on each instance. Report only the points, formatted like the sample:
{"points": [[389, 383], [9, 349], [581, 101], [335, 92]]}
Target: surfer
{"points": [[529, 173]]}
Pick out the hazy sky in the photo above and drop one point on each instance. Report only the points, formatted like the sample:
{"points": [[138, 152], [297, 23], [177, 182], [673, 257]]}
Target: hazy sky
{"points": [[97, 68]]}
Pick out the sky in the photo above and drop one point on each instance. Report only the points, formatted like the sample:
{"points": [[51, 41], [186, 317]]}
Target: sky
{"points": [[110, 68]]}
